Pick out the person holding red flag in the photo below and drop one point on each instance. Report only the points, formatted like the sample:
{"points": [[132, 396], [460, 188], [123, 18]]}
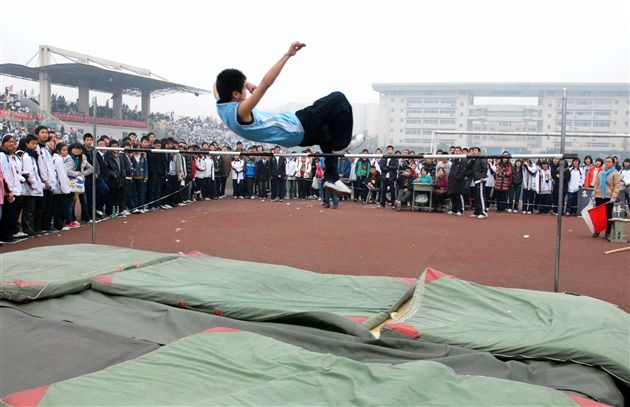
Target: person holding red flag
{"points": [[607, 187]]}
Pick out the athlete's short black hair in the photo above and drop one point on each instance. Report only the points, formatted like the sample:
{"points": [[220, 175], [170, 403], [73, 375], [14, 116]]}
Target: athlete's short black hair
{"points": [[228, 81]]}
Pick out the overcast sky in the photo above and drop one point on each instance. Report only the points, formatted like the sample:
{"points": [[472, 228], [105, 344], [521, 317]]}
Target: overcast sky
{"points": [[350, 44]]}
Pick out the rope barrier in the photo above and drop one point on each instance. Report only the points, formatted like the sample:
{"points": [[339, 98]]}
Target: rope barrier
{"points": [[337, 155]]}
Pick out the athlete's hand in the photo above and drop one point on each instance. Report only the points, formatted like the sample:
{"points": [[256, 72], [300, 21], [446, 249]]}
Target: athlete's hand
{"points": [[250, 87], [295, 47]]}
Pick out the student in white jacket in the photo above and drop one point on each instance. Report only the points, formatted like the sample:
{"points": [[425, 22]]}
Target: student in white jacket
{"points": [[488, 188], [200, 176], [291, 177], [544, 188], [238, 176], [625, 180], [11, 167], [530, 185], [63, 200], [33, 188], [576, 181], [44, 208], [209, 192]]}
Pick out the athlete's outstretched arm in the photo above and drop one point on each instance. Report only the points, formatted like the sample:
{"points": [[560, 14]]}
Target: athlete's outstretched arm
{"points": [[245, 107]]}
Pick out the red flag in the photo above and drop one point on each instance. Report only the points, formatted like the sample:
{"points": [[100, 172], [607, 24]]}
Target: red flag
{"points": [[598, 217]]}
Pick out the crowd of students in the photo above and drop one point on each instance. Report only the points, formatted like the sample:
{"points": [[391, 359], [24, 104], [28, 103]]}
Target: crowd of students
{"points": [[47, 184]]}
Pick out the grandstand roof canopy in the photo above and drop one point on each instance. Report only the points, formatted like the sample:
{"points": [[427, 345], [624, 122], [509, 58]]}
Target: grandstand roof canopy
{"points": [[98, 79]]}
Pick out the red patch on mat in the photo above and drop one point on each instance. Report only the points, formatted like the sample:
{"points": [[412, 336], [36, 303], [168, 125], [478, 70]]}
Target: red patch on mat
{"points": [[404, 329], [26, 398], [219, 329], [106, 279]]}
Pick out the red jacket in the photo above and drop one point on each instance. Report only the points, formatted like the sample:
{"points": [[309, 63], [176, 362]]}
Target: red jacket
{"points": [[503, 177], [589, 176]]}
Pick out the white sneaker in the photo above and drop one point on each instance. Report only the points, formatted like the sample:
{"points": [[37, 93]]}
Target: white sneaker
{"points": [[355, 142], [482, 216], [509, 210], [20, 234], [136, 211], [449, 212], [459, 214], [337, 187]]}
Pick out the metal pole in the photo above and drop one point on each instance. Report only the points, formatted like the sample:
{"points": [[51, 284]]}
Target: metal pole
{"points": [[94, 164], [432, 141], [94, 118], [556, 280]]}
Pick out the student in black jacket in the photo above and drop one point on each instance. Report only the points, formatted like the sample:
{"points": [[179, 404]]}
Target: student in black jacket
{"points": [[263, 173], [278, 176], [115, 179], [457, 182], [389, 168], [156, 164], [480, 173]]}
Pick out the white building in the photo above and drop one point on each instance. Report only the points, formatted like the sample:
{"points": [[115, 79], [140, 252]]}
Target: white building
{"points": [[409, 113]]}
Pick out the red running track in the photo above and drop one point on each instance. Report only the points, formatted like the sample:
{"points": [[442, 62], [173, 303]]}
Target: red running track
{"points": [[365, 240]]}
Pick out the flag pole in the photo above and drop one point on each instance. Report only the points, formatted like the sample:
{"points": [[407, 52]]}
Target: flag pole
{"points": [[556, 281]]}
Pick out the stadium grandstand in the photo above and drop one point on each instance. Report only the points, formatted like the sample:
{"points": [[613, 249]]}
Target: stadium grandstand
{"points": [[20, 110]]}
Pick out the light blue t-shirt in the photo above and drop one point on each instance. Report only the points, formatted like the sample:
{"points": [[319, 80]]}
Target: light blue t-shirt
{"points": [[284, 129]]}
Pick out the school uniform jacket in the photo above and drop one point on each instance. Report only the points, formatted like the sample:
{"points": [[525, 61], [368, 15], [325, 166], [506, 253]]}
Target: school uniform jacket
{"points": [[12, 170], [46, 168], [33, 185], [62, 182]]}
